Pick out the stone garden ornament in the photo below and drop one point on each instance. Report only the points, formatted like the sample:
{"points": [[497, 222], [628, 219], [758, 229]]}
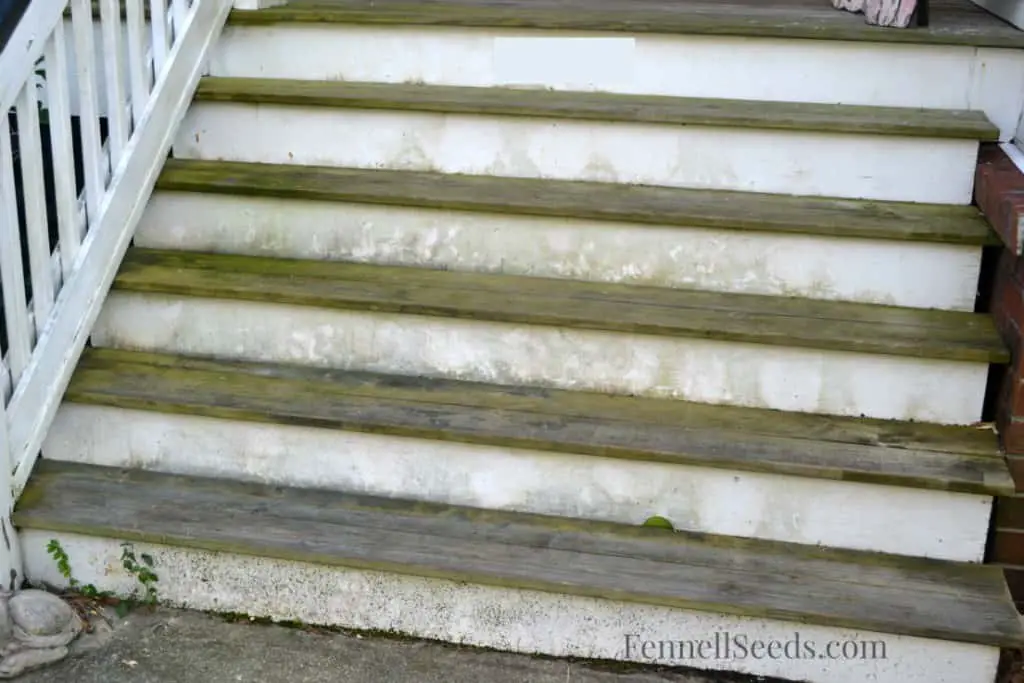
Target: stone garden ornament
{"points": [[36, 628], [893, 13]]}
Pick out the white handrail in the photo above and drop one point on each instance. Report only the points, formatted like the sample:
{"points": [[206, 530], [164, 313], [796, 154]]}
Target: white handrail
{"points": [[140, 77], [26, 46]]}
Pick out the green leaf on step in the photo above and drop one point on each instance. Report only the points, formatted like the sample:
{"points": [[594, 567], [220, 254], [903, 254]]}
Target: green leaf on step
{"points": [[659, 522]]}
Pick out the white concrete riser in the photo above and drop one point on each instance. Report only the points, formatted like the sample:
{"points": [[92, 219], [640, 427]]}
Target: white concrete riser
{"points": [[784, 162], [893, 272], [883, 74], [754, 375], [502, 618], [889, 519]]}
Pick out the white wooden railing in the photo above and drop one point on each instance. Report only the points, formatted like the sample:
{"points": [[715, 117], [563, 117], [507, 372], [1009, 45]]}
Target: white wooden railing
{"points": [[136, 66]]}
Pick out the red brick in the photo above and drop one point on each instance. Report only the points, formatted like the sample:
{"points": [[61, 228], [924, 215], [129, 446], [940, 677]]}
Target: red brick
{"points": [[996, 171], [993, 183], [1016, 465], [1015, 582], [1014, 407], [1012, 265], [1012, 436], [999, 193], [1010, 513], [1010, 400], [1008, 308], [1009, 208], [1008, 547], [990, 152]]}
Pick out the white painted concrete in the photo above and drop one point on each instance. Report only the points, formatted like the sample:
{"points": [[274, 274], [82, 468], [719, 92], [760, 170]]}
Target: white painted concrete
{"points": [[772, 507], [496, 617], [783, 378], [884, 74], [854, 166], [913, 274]]}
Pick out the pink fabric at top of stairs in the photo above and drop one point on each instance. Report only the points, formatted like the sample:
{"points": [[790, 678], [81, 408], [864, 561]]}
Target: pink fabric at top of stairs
{"points": [[892, 13]]}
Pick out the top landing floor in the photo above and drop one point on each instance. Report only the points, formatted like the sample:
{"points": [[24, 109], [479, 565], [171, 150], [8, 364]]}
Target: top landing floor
{"points": [[950, 22]]}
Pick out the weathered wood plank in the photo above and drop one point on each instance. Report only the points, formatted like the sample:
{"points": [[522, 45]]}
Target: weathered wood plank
{"points": [[719, 316], [857, 219], [951, 22], [890, 434], [906, 454], [953, 601], [597, 106]]}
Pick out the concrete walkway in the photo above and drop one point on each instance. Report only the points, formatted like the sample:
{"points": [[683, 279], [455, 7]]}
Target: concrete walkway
{"points": [[169, 646]]}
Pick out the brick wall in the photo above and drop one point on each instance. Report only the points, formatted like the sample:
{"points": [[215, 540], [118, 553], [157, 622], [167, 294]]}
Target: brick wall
{"points": [[999, 192]]}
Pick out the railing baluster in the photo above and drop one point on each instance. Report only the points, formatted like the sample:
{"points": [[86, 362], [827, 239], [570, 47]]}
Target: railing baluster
{"points": [[158, 24], [113, 56], [6, 385], [85, 58], [69, 228], [19, 334], [179, 9], [34, 190], [135, 18]]}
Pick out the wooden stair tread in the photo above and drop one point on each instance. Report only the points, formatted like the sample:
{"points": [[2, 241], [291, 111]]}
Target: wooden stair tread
{"points": [[857, 219], [599, 106], [962, 459], [885, 594], [953, 22], [742, 318]]}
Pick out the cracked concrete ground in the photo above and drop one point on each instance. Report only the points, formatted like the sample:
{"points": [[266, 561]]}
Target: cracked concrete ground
{"points": [[168, 646]]}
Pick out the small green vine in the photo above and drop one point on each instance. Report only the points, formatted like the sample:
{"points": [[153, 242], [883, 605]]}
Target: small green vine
{"points": [[140, 566], [142, 571]]}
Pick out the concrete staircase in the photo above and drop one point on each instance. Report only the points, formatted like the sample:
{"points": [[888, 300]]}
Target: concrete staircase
{"points": [[427, 316]]}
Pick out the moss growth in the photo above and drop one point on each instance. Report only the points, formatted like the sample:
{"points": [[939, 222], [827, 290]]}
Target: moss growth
{"points": [[658, 522]]}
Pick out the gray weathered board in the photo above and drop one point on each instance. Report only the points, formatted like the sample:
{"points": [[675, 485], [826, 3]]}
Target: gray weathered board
{"points": [[635, 428], [668, 206], [613, 307], [845, 589], [599, 106]]}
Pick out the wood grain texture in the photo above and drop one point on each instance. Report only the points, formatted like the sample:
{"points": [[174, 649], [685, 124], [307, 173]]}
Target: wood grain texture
{"points": [[677, 432], [743, 318], [846, 589], [597, 106], [856, 219], [952, 22]]}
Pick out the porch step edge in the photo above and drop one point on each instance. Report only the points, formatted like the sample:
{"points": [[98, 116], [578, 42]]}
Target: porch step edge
{"points": [[599, 106], [728, 317], [675, 207], [913, 455], [928, 599]]}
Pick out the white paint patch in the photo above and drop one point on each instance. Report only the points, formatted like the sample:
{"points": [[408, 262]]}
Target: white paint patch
{"points": [[787, 162], [754, 375], [899, 273], [502, 618], [828, 71], [538, 60], [869, 517]]}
